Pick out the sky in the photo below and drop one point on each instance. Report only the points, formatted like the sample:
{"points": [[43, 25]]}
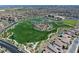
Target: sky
{"points": [[39, 2]]}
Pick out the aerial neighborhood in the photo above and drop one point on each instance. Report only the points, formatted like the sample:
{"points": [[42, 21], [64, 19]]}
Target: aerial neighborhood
{"points": [[39, 29]]}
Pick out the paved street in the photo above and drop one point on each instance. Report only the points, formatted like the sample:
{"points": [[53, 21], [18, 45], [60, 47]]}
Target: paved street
{"points": [[10, 47], [8, 27], [74, 46]]}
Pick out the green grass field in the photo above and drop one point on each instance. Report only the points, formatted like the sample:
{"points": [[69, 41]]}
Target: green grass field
{"points": [[59, 24], [71, 22], [24, 32]]}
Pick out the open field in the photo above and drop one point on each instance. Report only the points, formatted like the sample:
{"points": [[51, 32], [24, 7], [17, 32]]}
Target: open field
{"points": [[24, 32], [59, 24], [71, 22]]}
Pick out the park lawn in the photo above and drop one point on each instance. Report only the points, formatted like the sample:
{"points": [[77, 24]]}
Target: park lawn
{"points": [[71, 22], [24, 32], [59, 24]]}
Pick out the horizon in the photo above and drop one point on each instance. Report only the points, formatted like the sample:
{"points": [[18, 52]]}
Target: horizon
{"points": [[16, 6]]}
